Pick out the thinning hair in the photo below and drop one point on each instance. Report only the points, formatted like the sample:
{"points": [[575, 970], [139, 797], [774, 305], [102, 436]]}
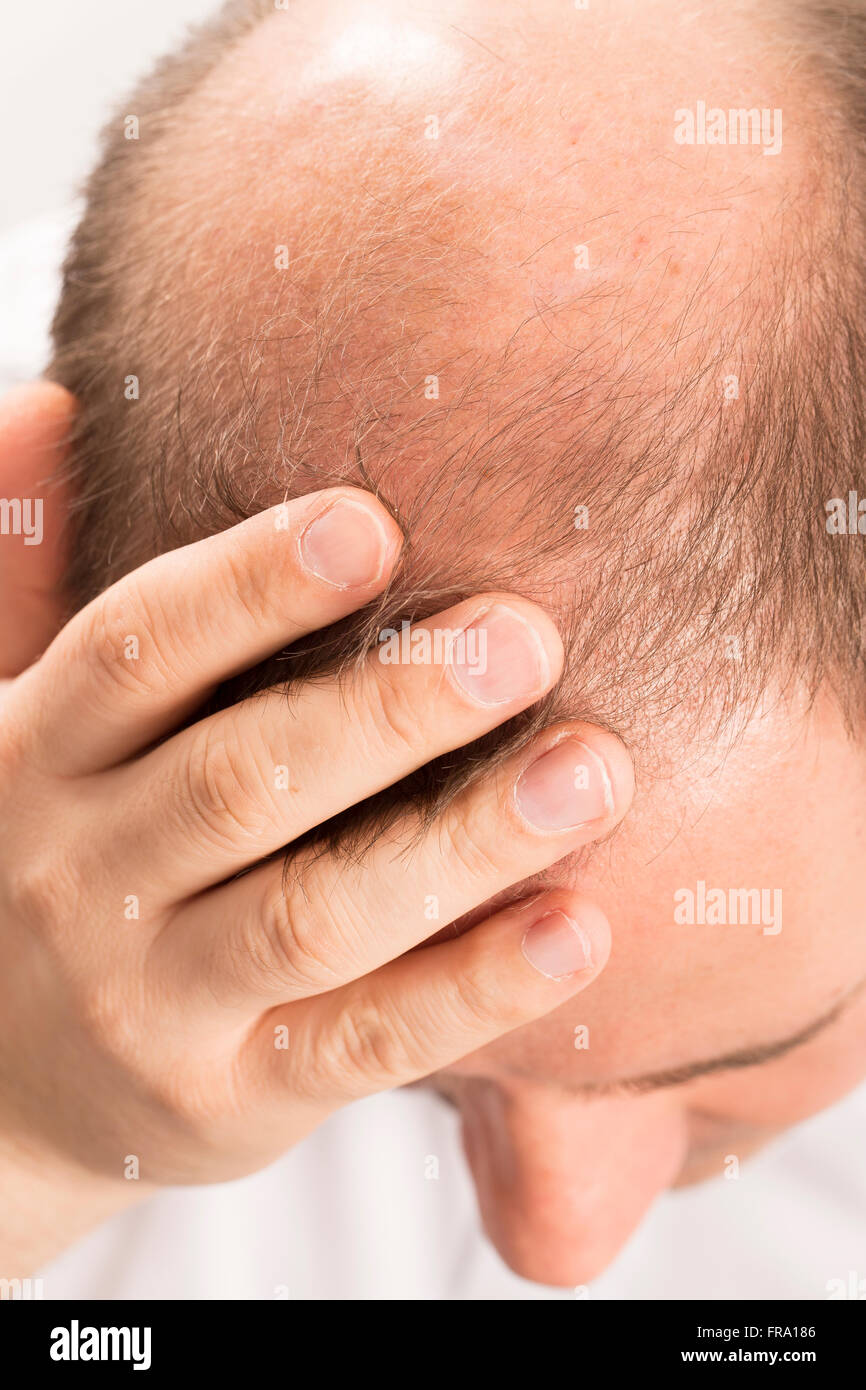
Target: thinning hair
{"points": [[704, 572]]}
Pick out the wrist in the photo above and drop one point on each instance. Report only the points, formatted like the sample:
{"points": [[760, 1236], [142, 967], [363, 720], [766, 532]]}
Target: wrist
{"points": [[48, 1202]]}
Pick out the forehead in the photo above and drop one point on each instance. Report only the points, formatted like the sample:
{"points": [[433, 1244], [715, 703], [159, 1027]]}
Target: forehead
{"points": [[686, 986]]}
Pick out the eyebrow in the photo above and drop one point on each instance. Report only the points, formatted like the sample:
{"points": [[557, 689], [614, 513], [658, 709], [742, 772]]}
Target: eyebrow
{"points": [[745, 1057]]}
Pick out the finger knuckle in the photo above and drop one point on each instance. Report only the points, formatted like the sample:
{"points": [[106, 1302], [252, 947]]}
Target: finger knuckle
{"points": [[104, 1013], [371, 1049], [389, 710], [467, 844], [125, 637], [481, 1005], [218, 798], [42, 893], [196, 1101], [250, 588], [287, 944]]}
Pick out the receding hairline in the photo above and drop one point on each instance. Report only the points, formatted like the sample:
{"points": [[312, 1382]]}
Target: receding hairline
{"points": [[227, 435]]}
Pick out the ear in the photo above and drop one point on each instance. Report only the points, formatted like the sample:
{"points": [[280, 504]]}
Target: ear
{"points": [[35, 421]]}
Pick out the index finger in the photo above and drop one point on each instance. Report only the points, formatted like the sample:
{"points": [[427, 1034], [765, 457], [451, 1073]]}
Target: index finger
{"points": [[143, 655]]}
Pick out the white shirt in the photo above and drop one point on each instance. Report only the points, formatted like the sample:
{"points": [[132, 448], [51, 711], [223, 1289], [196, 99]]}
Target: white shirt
{"points": [[351, 1214]]}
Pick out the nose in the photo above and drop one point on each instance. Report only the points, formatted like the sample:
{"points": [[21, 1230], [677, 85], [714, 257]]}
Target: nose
{"points": [[562, 1181]]}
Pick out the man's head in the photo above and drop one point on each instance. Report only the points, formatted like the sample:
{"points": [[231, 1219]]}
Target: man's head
{"points": [[511, 270]]}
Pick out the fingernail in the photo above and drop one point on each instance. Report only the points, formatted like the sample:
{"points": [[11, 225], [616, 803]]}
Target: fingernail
{"points": [[346, 545], [565, 788], [557, 947], [500, 657]]}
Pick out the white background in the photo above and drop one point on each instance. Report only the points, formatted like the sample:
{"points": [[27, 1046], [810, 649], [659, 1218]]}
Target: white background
{"points": [[63, 65]]}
